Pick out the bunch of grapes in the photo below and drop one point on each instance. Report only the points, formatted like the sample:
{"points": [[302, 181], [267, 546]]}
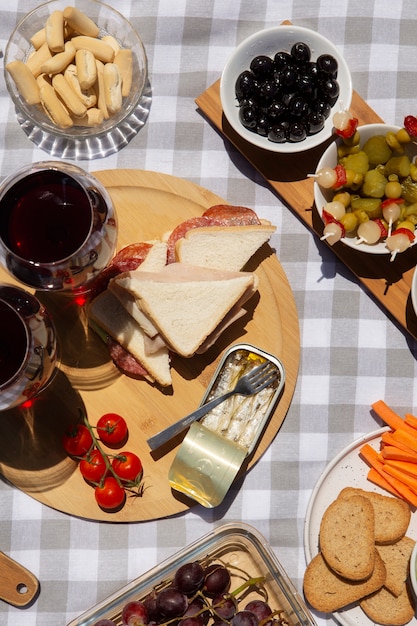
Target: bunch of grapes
{"points": [[200, 595]]}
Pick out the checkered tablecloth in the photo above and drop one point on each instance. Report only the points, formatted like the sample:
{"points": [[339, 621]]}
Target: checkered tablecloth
{"points": [[351, 353]]}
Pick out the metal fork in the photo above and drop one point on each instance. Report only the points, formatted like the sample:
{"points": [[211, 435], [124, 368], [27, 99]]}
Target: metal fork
{"points": [[249, 384]]}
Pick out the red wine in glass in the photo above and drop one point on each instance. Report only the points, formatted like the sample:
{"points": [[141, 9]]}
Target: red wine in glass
{"points": [[57, 226], [28, 347]]}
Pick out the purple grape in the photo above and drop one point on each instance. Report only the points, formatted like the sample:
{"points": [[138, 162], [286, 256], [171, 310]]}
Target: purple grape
{"points": [[171, 603], [225, 606], [261, 609], [135, 614], [189, 578], [244, 618], [198, 608], [216, 580]]}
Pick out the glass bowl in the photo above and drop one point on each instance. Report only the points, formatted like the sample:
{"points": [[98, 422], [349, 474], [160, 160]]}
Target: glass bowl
{"points": [[268, 42], [239, 545], [110, 22]]}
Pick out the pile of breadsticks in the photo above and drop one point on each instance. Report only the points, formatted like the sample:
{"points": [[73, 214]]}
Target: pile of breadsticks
{"points": [[78, 78]]}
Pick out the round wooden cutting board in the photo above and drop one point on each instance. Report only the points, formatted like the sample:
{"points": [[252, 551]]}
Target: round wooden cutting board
{"points": [[148, 204]]}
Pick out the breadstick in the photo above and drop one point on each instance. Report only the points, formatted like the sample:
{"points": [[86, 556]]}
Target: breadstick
{"points": [[80, 22], [54, 108], [88, 97], [101, 50], [123, 60], [68, 96], [111, 41], [59, 61], [24, 81], [42, 79], [54, 31], [38, 58], [112, 87], [93, 117], [38, 39], [101, 96], [85, 63]]}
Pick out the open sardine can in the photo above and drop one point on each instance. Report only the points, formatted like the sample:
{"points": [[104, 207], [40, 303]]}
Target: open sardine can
{"points": [[218, 447]]}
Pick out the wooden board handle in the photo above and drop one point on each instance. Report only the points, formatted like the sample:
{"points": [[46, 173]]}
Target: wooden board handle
{"points": [[18, 586]]}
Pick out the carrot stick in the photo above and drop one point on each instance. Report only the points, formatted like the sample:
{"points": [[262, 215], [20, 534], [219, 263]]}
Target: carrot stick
{"points": [[398, 454], [379, 480], [410, 481], [371, 457], [387, 438], [404, 437], [411, 420], [403, 466], [390, 417]]}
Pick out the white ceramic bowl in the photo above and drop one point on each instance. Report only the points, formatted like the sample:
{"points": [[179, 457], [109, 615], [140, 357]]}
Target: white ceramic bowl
{"points": [[269, 42], [110, 22], [413, 570], [329, 159]]}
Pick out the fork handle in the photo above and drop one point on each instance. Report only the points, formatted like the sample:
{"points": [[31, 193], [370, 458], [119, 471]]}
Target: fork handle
{"points": [[168, 433]]}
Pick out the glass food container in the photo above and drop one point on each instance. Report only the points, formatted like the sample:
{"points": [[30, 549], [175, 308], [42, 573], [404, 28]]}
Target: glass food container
{"points": [[238, 546]]}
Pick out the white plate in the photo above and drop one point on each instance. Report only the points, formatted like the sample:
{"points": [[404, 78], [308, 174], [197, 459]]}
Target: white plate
{"points": [[347, 469]]}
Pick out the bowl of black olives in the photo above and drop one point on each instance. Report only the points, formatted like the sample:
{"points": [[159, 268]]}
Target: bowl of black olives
{"points": [[281, 87]]}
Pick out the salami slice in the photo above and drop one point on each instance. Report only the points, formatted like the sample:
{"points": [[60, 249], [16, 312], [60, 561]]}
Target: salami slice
{"points": [[126, 260], [125, 361], [230, 215]]}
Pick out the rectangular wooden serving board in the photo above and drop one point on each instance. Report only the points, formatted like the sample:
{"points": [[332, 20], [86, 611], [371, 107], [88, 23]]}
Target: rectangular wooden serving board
{"points": [[388, 283]]}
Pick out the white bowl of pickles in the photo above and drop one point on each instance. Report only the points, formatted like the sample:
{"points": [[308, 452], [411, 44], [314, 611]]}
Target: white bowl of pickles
{"points": [[365, 190]]}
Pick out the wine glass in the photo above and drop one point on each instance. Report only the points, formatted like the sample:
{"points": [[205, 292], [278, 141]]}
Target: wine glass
{"points": [[28, 346], [57, 226], [58, 231]]}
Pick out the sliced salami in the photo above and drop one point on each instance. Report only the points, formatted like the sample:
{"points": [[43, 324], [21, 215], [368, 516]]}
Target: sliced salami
{"points": [[125, 361], [127, 259], [230, 215]]}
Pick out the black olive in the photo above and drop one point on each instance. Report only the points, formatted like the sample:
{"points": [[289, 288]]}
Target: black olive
{"points": [[301, 52], [245, 85], [248, 116], [328, 64], [282, 60], [262, 66], [297, 132], [315, 122]]}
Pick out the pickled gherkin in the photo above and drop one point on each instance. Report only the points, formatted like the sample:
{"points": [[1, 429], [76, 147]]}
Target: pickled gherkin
{"points": [[374, 184], [357, 162], [371, 206], [399, 165], [409, 190], [377, 149]]}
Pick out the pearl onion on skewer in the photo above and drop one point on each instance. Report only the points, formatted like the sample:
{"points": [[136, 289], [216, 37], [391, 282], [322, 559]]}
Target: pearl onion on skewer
{"points": [[368, 232], [391, 213], [332, 232]]}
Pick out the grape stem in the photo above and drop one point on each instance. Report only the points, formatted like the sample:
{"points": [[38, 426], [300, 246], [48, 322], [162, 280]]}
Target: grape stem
{"points": [[251, 582]]}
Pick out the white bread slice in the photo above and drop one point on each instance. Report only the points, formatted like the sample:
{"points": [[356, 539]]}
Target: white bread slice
{"points": [[155, 260], [220, 247], [107, 311], [187, 303]]}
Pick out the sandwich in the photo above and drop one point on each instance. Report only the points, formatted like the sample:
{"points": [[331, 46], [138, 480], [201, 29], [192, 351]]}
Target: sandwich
{"points": [[223, 237], [185, 305], [179, 294]]}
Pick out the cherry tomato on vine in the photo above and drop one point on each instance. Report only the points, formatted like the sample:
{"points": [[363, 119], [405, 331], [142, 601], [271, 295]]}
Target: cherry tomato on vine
{"points": [[112, 429], [93, 466], [77, 440], [128, 467], [110, 495]]}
